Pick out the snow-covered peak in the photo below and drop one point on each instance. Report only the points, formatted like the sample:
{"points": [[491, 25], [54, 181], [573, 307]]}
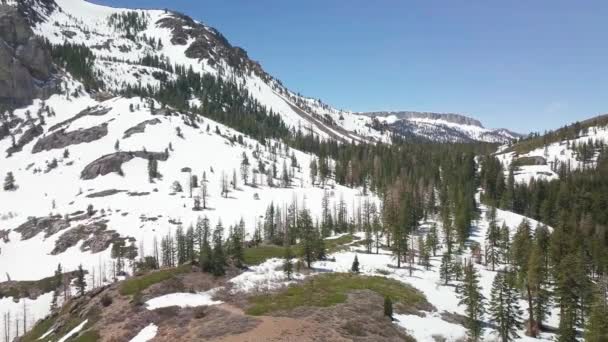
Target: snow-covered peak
{"points": [[122, 39]]}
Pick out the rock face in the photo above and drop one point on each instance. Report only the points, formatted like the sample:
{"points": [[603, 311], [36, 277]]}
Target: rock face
{"points": [[140, 127], [26, 67], [113, 162], [62, 139], [35, 225], [26, 138]]}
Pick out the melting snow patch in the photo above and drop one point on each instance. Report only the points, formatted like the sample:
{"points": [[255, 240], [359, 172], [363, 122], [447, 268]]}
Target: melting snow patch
{"points": [[146, 334], [424, 328], [266, 276], [73, 331], [183, 300], [50, 331]]}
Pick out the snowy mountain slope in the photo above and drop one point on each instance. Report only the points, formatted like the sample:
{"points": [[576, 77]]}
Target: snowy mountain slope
{"points": [[536, 159], [60, 173], [180, 40], [441, 127], [204, 146]]}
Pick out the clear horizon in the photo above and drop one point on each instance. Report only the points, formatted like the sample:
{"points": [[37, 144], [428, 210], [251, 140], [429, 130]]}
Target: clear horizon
{"points": [[525, 67]]}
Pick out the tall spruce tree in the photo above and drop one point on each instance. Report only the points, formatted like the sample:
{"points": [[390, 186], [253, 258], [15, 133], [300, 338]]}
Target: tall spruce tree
{"points": [[80, 283], [473, 300], [308, 238], [597, 324], [218, 257], [504, 306]]}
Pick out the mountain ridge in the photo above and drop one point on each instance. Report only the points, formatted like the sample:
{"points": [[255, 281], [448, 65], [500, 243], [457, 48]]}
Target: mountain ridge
{"points": [[202, 47]]}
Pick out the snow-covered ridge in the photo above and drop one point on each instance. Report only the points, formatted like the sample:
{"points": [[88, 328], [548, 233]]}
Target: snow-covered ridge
{"points": [[544, 162], [442, 127], [181, 40]]}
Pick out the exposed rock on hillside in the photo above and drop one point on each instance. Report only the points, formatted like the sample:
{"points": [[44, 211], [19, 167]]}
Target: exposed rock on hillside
{"points": [[113, 162], [95, 111], [35, 225], [62, 139], [96, 236], [26, 68], [140, 128], [26, 138]]}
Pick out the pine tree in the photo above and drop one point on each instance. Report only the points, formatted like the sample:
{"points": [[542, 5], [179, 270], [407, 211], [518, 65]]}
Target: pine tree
{"points": [[472, 298], [307, 237], [432, 239], [80, 283], [218, 259], [445, 269], [388, 307], [152, 169], [205, 251], [505, 244], [313, 171], [355, 266], [288, 263], [537, 282], [9, 182], [597, 324], [492, 240], [237, 253], [504, 306]]}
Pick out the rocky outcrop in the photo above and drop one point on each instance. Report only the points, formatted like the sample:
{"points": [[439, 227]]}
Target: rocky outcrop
{"points": [[105, 193], [94, 111], [35, 225], [113, 163], [26, 66], [62, 139], [27, 137], [97, 238], [209, 44], [140, 127]]}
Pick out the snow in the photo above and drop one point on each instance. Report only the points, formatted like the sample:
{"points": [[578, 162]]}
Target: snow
{"points": [[146, 334], [555, 154], [424, 328], [36, 309], [74, 331], [50, 331], [183, 300], [266, 276]]}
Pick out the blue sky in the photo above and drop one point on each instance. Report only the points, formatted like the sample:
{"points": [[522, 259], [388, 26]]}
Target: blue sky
{"points": [[523, 65]]}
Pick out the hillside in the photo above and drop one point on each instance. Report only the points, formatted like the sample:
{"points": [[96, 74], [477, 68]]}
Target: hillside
{"points": [[442, 127], [141, 49], [159, 185], [574, 147]]}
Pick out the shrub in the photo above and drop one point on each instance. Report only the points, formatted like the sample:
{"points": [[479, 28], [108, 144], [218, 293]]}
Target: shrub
{"points": [[106, 300]]}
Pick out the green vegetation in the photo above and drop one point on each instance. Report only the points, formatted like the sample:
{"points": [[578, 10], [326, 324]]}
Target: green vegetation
{"points": [[78, 60], [259, 254], [22, 289], [331, 289], [138, 284], [39, 329], [568, 132], [88, 336]]}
